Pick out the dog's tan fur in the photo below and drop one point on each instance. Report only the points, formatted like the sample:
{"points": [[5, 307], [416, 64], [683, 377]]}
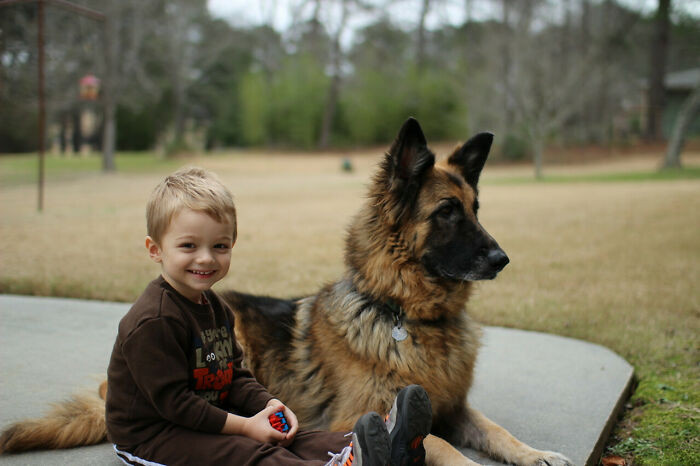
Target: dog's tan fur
{"points": [[75, 422], [339, 359]]}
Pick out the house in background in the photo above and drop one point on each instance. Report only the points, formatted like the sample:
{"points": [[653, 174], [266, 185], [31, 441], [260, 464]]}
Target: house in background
{"points": [[679, 85]]}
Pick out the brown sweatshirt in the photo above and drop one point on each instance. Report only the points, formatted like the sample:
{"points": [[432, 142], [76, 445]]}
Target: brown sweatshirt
{"points": [[176, 362]]}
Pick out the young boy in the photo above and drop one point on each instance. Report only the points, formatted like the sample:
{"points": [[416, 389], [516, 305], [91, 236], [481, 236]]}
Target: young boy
{"points": [[177, 393]]}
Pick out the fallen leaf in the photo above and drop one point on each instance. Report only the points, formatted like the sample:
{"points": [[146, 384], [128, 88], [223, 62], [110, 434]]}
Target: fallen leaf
{"points": [[613, 461]]}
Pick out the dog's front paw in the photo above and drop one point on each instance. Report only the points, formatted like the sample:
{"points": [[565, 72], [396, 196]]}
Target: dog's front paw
{"points": [[550, 458]]}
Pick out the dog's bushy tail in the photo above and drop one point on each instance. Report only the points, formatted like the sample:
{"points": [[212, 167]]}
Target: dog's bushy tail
{"points": [[75, 422]]}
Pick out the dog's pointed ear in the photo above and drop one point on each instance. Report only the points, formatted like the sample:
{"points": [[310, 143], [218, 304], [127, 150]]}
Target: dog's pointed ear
{"points": [[404, 168], [471, 157], [409, 154]]}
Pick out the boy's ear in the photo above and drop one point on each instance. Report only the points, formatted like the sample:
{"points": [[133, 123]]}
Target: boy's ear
{"points": [[153, 249]]}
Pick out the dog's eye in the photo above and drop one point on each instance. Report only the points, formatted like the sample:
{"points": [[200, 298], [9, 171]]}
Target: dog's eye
{"points": [[446, 211], [449, 209]]}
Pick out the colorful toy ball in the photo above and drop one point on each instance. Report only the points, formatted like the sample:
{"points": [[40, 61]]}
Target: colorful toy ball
{"points": [[279, 422]]}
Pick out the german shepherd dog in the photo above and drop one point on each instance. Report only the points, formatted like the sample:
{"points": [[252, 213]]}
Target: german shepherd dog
{"points": [[397, 317]]}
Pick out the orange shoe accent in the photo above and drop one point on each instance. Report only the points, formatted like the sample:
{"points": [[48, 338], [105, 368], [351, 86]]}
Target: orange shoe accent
{"points": [[416, 442], [350, 459]]}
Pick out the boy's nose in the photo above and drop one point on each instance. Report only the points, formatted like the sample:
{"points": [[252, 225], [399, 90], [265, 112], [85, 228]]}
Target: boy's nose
{"points": [[205, 257]]}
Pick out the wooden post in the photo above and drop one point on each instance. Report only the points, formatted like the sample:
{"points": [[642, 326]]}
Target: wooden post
{"points": [[42, 104]]}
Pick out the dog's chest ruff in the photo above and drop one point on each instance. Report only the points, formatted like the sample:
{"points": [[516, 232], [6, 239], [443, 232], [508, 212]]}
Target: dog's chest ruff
{"points": [[380, 334]]}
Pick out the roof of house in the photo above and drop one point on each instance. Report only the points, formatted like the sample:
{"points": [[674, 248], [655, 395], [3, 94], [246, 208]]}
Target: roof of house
{"points": [[682, 80]]}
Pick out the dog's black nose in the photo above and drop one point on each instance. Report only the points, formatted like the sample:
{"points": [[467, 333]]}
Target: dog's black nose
{"points": [[497, 259]]}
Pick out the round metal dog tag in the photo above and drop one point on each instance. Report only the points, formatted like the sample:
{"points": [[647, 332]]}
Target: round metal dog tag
{"points": [[399, 333]]}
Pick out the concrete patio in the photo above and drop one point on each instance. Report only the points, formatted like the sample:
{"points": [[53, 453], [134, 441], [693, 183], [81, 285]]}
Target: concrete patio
{"points": [[551, 392]]}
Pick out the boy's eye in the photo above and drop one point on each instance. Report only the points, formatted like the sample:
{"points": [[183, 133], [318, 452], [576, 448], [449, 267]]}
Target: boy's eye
{"points": [[222, 246], [187, 245]]}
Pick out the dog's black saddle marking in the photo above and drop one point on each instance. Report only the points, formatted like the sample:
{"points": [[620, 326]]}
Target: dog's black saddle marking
{"points": [[276, 316]]}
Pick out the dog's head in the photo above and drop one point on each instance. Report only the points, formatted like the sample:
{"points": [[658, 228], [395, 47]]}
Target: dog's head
{"points": [[429, 209]]}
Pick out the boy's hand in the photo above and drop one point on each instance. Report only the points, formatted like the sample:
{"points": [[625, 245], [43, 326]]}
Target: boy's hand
{"points": [[258, 427], [292, 421]]}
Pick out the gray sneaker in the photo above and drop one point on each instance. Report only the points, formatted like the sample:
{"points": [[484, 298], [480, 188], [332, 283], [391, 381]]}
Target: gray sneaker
{"points": [[408, 423], [370, 444]]}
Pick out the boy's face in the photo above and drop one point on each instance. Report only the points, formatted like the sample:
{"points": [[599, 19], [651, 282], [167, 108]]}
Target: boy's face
{"points": [[194, 252]]}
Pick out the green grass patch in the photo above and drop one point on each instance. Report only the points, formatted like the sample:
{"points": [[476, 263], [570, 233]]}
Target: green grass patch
{"points": [[24, 169], [670, 174], [663, 420]]}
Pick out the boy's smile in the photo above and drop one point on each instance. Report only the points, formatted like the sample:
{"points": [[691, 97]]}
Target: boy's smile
{"points": [[194, 252]]}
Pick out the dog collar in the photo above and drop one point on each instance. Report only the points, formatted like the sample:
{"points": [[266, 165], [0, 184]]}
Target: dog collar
{"points": [[398, 332], [393, 309], [398, 314]]}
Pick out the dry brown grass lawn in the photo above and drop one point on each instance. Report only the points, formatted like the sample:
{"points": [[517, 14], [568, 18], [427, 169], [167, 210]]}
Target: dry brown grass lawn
{"points": [[607, 262]]}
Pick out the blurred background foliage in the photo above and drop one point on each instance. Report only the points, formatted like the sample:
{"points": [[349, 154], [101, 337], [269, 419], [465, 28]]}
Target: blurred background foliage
{"points": [[345, 73]]}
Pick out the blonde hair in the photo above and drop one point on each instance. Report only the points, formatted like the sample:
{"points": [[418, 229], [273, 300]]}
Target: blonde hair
{"points": [[192, 188]]}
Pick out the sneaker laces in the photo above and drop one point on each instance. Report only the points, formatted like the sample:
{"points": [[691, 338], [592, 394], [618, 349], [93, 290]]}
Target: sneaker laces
{"points": [[344, 458], [390, 418]]}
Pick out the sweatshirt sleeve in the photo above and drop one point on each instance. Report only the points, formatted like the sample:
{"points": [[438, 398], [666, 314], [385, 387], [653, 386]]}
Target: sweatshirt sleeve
{"points": [[248, 396], [155, 355]]}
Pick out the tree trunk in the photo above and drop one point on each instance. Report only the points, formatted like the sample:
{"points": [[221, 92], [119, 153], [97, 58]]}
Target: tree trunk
{"points": [[657, 70], [109, 137], [177, 17], [420, 46], [108, 95], [507, 62], [334, 89], [537, 141], [680, 129], [537, 147], [329, 111], [178, 108], [599, 129], [468, 7]]}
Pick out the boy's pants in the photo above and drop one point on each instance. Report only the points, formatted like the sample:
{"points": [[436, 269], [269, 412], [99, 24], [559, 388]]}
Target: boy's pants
{"points": [[180, 446]]}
